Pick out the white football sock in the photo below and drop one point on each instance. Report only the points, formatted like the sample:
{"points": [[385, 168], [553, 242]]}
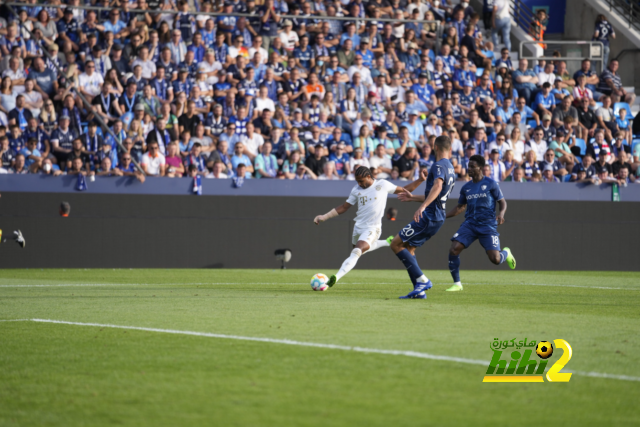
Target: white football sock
{"points": [[377, 245], [422, 279], [349, 263], [458, 283]]}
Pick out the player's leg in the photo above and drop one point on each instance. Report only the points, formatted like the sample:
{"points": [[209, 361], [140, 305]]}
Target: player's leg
{"points": [[381, 244], [463, 238], [454, 265], [404, 244], [362, 242], [491, 243]]}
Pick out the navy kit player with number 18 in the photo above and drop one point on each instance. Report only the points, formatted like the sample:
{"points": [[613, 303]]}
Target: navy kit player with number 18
{"points": [[478, 198], [428, 218]]}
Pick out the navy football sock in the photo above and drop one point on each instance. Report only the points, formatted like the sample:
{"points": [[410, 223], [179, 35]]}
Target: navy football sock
{"points": [[454, 267], [503, 256], [411, 265]]}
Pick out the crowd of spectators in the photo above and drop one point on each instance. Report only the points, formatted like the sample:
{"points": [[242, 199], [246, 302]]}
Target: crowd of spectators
{"points": [[188, 94]]}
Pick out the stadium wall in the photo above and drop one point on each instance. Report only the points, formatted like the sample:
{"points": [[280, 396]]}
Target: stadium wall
{"points": [[170, 231]]}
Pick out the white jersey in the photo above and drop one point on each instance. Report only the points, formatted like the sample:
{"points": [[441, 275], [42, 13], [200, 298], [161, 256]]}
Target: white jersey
{"points": [[371, 202]]}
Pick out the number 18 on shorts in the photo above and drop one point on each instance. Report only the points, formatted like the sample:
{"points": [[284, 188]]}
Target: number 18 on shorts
{"points": [[469, 233]]}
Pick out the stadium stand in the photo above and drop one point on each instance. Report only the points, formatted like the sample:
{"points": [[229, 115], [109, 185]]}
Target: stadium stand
{"points": [[299, 90]]}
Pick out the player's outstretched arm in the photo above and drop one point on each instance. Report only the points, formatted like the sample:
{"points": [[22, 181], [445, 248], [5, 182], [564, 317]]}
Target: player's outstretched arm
{"points": [[406, 196], [433, 194], [333, 213], [502, 206], [456, 211]]}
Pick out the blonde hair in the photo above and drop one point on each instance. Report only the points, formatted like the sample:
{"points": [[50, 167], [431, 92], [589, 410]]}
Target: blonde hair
{"points": [[46, 117], [131, 132]]}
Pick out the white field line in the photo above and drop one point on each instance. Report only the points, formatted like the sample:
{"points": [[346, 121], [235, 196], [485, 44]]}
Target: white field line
{"points": [[318, 345], [64, 285]]}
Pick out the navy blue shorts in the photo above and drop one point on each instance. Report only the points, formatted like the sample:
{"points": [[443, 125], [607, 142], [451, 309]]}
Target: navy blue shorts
{"points": [[488, 236], [417, 233]]}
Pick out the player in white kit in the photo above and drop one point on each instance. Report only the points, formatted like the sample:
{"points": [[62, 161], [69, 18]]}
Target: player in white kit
{"points": [[371, 197]]}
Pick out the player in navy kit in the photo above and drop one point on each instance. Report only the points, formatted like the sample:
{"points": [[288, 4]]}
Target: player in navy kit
{"points": [[478, 198], [428, 218]]}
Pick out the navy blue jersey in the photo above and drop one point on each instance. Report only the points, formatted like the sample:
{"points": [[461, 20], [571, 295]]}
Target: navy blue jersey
{"points": [[480, 198], [442, 169], [604, 30]]}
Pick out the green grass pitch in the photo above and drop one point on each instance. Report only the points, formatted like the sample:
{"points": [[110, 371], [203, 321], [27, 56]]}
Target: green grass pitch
{"points": [[73, 375]]}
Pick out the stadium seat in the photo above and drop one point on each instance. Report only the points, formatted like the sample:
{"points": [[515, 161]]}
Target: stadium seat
{"points": [[583, 146], [598, 104], [532, 124], [479, 72], [633, 145], [620, 105], [566, 178]]}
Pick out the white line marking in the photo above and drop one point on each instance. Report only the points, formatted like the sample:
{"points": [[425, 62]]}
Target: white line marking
{"points": [[15, 320], [318, 345], [64, 285]]}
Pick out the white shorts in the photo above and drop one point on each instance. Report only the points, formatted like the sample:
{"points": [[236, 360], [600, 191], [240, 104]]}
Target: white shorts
{"points": [[366, 234]]}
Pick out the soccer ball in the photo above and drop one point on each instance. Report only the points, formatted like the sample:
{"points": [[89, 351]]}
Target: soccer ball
{"points": [[544, 349], [319, 282]]}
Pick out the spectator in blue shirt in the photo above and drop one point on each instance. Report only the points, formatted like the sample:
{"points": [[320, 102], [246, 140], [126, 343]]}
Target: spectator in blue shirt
{"points": [[239, 158], [341, 159], [415, 128], [545, 102], [525, 80]]}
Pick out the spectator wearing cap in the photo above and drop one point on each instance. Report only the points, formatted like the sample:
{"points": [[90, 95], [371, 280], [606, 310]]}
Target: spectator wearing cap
{"points": [[549, 160], [548, 174], [549, 130], [341, 160], [288, 37]]}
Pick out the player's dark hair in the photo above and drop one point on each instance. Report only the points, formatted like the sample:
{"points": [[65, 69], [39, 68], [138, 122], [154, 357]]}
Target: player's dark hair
{"points": [[65, 208], [443, 143], [363, 172], [478, 159]]}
